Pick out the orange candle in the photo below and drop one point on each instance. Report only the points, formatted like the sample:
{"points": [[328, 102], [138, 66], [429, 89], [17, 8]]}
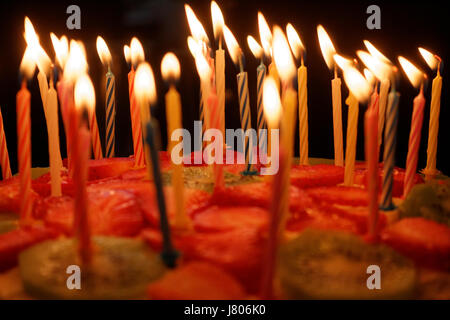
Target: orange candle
{"points": [[4, 156]]}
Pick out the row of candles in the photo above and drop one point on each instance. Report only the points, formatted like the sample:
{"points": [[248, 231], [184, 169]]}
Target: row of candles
{"points": [[68, 80]]}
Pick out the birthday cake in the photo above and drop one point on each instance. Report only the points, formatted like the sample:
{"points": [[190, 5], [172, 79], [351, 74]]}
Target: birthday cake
{"points": [[325, 253]]}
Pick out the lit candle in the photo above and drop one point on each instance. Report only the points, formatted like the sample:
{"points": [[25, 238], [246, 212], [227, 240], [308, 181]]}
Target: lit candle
{"points": [[434, 62], [257, 51], [417, 78], [23, 98], [218, 23], [143, 80], [298, 50], [266, 41], [4, 156], [135, 56], [170, 70], [244, 103], [286, 68], [280, 186], [328, 51], [105, 57]]}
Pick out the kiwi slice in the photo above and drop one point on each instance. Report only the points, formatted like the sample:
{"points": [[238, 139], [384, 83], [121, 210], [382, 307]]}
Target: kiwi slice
{"points": [[121, 268], [333, 265]]}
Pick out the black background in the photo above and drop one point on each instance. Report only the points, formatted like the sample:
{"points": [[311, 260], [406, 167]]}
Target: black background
{"points": [[161, 26]]}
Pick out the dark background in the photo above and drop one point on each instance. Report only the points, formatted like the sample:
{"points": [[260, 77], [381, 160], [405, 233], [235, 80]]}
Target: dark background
{"points": [[161, 26]]}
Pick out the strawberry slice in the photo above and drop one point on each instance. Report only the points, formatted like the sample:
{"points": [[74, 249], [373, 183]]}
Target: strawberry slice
{"points": [[196, 281], [424, 241], [323, 221], [215, 219], [43, 187], [13, 242], [316, 175], [352, 196], [10, 195]]}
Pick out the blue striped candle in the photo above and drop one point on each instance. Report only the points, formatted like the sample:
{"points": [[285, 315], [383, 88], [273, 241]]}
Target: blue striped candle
{"points": [[261, 74], [244, 110], [110, 113], [390, 137]]}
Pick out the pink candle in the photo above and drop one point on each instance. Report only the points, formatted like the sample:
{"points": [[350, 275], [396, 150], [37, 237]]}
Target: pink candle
{"points": [[216, 123], [4, 156], [414, 142], [136, 126], [371, 150], [23, 99]]}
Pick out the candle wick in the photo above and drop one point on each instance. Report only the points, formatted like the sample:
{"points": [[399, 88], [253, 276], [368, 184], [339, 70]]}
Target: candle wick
{"points": [[241, 64], [335, 72], [302, 61]]}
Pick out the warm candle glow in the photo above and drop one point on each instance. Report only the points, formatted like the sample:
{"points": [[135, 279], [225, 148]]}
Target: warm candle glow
{"points": [[369, 76], [127, 53], [232, 45], [196, 27], [84, 93], [27, 66], [282, 55], [380, 69], [137, 51], [103, 51], [272, 102], [376, 53], [76, 64], [356, 83], [170, 67], [294, 41], [61, 48], [326, 46], [203, 68], [414, 75], [41, 58], [265, 35], [194, 46], [217, 20], [429, 58], [255, 48], [144, 83]]}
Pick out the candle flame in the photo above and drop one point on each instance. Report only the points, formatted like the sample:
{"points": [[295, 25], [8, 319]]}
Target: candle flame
{"points": [[254, 46], [282, 55], [61, 48], [137, 51], [369, 76], [217, 20], [103, 51], [356, 83], [415, 76], [194, 46], [376, 53], [272, 102], [265, 34], [203, 68], [380, 69], [127, 53], [144, 83], [27, 66], [196, 27], [76, 64], [40, 57], [326, 46], [429, 58], [84, 93], [170, 67], [296, 44], [232, 45]]}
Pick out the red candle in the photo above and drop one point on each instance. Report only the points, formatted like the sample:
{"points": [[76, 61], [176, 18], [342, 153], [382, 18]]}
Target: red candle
{"points": [[65, 94], [23, 99], [371, 150], [4, 156]]}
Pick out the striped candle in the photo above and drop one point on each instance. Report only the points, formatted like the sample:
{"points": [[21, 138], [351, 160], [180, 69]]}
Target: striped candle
{"points": [[244, 110], [4, 156], [96, 144], [23, 100], [352, 132], [434, 125], [110, 114], [136, 125], [384, 89], [414, 142], [261, 74], [202, 113], [390, 141]]}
